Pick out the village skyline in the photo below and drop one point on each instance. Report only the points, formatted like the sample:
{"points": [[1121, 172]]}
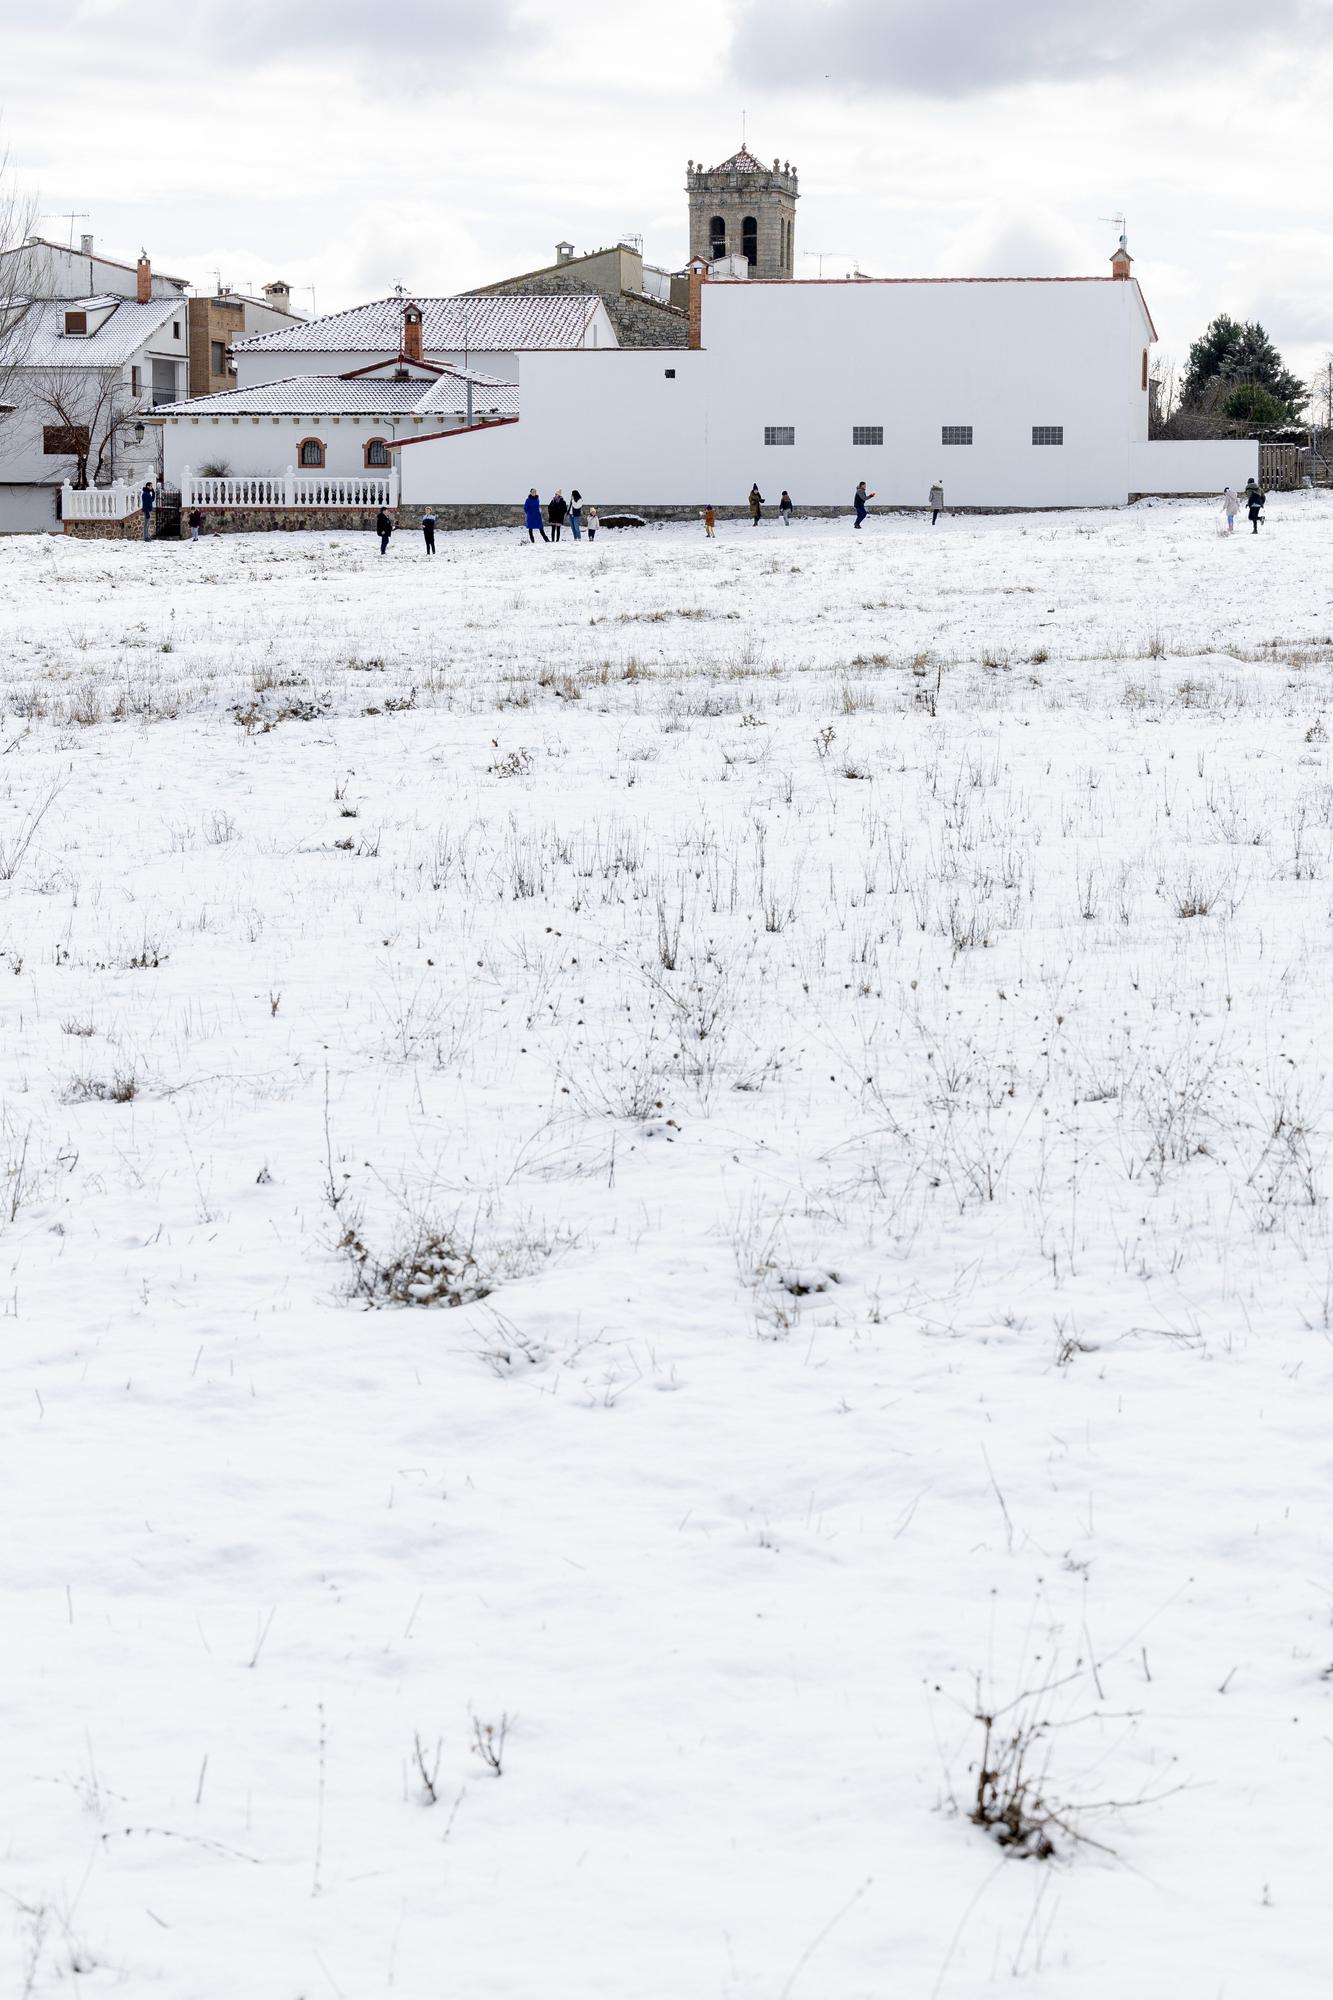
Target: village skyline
{"points": [[1014, 160]]}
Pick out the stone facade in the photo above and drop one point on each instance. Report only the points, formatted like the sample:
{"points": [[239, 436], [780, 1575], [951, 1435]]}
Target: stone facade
{"points": [[756, 208], [128, 530]]}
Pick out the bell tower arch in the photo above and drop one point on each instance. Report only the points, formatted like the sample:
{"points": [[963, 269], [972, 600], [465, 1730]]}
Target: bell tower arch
{"points": [[744, 209]]}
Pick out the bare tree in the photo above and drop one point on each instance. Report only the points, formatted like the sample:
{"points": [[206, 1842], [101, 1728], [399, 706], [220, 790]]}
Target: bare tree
{"points": [[1321, 395], [17, 288], [85, 407]]}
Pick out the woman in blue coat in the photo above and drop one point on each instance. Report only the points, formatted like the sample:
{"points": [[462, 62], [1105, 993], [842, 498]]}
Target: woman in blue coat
{"points": [[532, 515]]}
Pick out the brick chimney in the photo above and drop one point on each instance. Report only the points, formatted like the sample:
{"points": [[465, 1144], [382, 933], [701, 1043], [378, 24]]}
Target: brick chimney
{"points": [[1121, 261], [412, 331], [144, 272], [698, 275]]}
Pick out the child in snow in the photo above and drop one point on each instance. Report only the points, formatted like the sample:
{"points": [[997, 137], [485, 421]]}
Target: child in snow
{"points": [[591, 522], [196, 523], [756, 504], [859, 501], [532, 515], [710, 522], [936, 501], [383, 528], [784, 508], [1254, 503], [1231, 507]]}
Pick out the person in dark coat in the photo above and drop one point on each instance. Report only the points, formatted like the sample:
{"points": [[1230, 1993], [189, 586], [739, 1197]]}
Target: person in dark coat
{"points": [[196, 523], [556, 509], [1254, 504], [383, 528], [428, 530], [532, 516], [859, 501], [147, 501], [756, 504]]}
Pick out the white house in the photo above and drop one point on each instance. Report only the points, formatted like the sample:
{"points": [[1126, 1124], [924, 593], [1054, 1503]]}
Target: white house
{"points": [[339, 425], [490, 333], [1013, 392], [81, 373]]}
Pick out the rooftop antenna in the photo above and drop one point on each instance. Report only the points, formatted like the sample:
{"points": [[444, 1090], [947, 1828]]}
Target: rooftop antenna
{"points": [[742, 128], [822, 254], [1119, 219], [71, 216]]}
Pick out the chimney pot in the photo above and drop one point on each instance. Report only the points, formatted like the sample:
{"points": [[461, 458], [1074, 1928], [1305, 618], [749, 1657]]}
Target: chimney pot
{"points": [[412, 331], [85, 246], [564, 253], [143, 291]]}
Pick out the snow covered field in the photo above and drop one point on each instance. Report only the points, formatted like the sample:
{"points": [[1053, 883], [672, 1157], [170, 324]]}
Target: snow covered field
{"points": [[847, 1015]]}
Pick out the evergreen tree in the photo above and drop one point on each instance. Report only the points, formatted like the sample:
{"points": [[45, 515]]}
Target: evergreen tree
{"points": [[1233, 354]]}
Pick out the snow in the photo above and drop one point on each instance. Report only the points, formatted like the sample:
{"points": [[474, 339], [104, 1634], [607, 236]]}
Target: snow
{"points": [[914, 1297]]}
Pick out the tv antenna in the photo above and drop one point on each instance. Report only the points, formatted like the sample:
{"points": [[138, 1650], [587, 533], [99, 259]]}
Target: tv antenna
{"points": [[1119, 220], [71, 216]]}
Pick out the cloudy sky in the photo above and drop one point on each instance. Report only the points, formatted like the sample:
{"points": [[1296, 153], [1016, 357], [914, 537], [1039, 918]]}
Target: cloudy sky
{"points": [[441, 143]]}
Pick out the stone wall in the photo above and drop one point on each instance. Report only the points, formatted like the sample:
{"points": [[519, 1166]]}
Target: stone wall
{"points": [[129, 530], [638, 321]]}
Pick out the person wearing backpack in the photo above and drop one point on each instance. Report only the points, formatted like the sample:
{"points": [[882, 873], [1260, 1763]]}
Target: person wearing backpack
{"points": [[1255, 498]]}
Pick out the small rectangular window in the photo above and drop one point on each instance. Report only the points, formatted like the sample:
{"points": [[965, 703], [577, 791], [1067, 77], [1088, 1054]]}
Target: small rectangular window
{"points": [[134, 379], [867, 433], [670, 374], [1048, 434], [779, 434], [175, 329], [76, 322], [219, 361], [956, 434]]}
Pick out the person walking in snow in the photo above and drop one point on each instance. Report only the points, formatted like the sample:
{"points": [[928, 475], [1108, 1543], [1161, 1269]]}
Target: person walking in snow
{"points": [[936, 501], [196, 523], [860, 500], [383, 528], [756, 504], [556, 509], [576, 514], [591, 522], [784, 508], [1254, 504], [532, 516], [428, 530], [710, 522], [1231, 507], [147, 501]]}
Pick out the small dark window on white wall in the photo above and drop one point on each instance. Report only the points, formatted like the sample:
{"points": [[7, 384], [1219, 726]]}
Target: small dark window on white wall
{"points": [[956, 434], [377, 452], [670, 374], [1048, 434], [312, 453], [867, 433], [779, 434]]}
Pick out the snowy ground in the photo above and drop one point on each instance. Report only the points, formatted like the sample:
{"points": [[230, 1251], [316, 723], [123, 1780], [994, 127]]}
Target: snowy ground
{"points": [[857, 1006]]}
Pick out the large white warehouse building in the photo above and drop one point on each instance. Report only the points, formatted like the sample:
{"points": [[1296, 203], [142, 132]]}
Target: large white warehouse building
{"points": [[1014, 392]]}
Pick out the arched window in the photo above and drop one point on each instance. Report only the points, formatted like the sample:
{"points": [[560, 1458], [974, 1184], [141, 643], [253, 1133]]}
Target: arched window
{"points": [[311, 453], [377, 452], [717, 237], [750, 239]]}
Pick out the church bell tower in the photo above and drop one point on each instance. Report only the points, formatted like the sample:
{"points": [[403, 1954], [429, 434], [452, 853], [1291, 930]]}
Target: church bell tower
{"points": [[744, 209]]}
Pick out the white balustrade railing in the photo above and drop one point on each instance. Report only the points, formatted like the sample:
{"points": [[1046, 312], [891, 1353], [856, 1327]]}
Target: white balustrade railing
{"points": [[98, 503], [290, 489]]}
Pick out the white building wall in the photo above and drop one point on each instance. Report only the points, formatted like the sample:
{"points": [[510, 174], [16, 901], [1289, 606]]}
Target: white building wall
{"points": [[823, 358], [270, 444], [264, 365]]}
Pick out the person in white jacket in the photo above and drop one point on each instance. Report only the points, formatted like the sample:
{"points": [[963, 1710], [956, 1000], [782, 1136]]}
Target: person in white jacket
{"points": [[936, 501], [1231, 507]]}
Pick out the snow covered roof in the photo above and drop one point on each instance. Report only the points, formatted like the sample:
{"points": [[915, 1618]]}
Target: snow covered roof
{"points": [[501, 321], [354, 396], [111, 340]]}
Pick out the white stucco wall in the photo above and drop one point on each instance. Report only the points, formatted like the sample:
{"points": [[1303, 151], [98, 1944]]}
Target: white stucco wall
{"points": [[1203, 465], [912, 357], [270, 444]]}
